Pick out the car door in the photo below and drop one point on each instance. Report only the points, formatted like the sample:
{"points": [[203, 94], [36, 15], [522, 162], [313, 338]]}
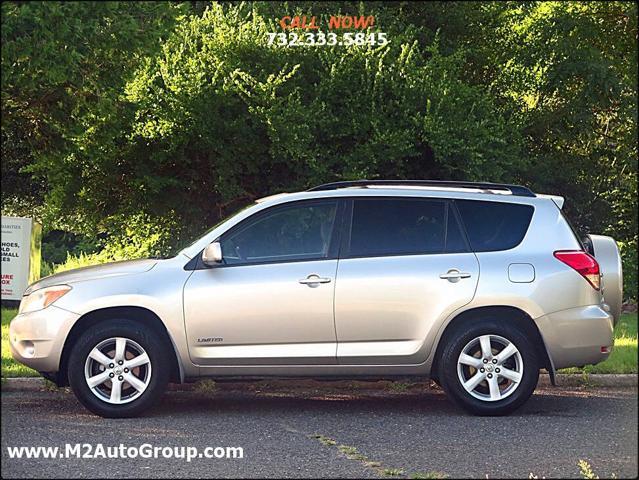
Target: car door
{"points": [[270, 302], [404, 266]]}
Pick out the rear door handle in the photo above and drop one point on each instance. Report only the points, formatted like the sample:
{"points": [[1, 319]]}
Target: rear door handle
{"points": [[453, 275], [314, 280]]}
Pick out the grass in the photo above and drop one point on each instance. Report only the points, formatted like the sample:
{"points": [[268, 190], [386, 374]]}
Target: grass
{"points": [[586, 470], [324, 440], [392, 472], [352, 453], [622, 360], [206, 386], [11, 368], [428, 475], [398, 387]]}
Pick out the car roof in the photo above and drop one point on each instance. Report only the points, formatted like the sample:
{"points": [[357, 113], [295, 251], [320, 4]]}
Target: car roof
{"points": [[483, 186], [418, 188], [410, 191]]}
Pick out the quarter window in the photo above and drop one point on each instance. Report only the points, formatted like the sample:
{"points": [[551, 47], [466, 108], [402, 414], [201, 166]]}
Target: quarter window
{"points": [[287, 233], [493, 226]]}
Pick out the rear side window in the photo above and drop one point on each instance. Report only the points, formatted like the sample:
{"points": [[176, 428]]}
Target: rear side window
{"points": [[389, 226], [493, 226]]}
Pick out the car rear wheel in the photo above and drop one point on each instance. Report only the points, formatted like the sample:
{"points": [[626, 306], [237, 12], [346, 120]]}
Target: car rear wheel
{"points": [[490, 368], [118, 369]]}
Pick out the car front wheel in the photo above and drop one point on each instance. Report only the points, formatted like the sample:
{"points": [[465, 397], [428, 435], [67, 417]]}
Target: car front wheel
{"points": [[118, 369]]}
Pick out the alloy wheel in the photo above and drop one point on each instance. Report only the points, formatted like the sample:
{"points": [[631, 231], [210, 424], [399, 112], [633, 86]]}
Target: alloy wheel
{"points": [[490, 368], [117, 370]]}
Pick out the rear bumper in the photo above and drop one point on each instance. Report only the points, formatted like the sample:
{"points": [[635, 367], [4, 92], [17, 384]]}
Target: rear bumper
{"points": [[37, 338], [575, 337]]}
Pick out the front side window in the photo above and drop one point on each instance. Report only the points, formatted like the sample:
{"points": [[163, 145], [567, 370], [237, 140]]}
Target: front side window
{"points": [[286, 233], [390, 226]]}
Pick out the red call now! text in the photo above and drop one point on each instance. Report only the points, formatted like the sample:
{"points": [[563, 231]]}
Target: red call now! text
{"points": [[335, 22]]}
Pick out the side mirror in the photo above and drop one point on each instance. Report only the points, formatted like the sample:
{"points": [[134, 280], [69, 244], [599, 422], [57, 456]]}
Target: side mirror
{"points": [[212, 254]]}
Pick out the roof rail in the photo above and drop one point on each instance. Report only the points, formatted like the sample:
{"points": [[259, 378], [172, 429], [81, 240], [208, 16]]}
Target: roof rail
{"points": [[517, 190]]}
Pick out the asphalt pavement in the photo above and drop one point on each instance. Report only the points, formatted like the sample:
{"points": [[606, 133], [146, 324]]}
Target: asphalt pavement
{"points": [[332, 430]]}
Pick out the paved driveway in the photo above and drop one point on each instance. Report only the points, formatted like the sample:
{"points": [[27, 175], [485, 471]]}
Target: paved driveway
{"points": [[334, 430]]}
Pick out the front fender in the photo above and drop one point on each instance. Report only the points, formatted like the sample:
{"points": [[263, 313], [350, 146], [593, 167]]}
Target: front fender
{"points": [[159, 291]]}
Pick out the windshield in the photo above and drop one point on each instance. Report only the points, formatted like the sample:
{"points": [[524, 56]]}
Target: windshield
{"points": [[214, 227]]}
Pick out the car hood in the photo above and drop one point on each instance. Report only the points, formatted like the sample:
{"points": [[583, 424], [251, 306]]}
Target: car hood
{"points": [[91, 273]]}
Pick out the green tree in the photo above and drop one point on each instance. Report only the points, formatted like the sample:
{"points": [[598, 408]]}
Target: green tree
{"points": [[220, 119], [118, 115], [64, 65], [572, 67]]}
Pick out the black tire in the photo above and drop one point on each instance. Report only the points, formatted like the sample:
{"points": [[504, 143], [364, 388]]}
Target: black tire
{"points": [[148, 339], [448, 373]]}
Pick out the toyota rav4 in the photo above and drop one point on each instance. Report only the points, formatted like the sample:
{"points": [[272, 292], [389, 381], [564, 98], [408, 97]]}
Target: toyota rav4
{"points": [[476, 285]]}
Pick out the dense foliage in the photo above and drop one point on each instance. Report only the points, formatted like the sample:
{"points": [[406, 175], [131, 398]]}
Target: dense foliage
{"points": [[140, 124]]}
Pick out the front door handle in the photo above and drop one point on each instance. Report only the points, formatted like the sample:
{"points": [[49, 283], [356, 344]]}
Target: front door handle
{"points": [[314, 280], [453, 275]]}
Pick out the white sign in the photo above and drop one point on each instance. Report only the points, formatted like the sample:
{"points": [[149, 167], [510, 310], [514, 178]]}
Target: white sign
{"points": [[20, 255]]}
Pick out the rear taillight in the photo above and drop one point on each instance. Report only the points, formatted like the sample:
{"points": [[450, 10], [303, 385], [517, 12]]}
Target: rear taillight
{"points": [[584, 263]]}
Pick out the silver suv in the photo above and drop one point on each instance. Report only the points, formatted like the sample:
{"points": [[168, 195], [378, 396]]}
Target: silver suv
{"points": [[476, 285]]}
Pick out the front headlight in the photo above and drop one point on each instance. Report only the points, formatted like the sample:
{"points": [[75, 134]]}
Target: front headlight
{"points": [[42, 298]]}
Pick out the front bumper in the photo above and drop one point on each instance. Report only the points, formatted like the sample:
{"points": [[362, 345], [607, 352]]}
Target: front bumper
{"points": [[575, 337], [37, 338]]}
